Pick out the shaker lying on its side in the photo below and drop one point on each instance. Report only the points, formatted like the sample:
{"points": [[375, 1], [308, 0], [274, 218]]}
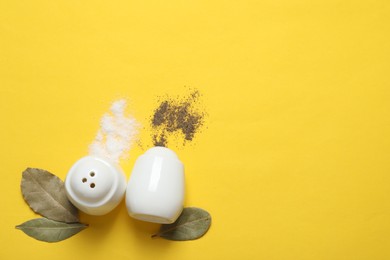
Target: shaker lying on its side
{"points": [[155, 191], [95, 185]]}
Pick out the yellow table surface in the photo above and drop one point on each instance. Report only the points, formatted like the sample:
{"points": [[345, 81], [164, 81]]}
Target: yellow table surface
{"points": [[294, 161]]}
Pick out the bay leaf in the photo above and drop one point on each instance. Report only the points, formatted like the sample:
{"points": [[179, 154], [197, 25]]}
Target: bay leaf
{"points": [[47, 230], [193, 223], [45, 194]]}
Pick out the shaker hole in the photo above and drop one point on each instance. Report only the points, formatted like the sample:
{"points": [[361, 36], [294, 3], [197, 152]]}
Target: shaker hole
{"points": [[92, 185], [84, 180], [92, 174]]}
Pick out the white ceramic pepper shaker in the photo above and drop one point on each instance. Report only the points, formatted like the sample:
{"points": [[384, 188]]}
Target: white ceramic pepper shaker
{"points": [[95, 185], [155, 192]]}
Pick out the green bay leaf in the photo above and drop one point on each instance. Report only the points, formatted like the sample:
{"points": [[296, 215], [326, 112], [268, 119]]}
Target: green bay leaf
{"points": [[47, 230], [45, 194], [193, 223]]}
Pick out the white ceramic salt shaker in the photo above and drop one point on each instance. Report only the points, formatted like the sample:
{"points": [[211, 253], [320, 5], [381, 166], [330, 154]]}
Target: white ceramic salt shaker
{"points": [[95, 185], [155, 192]]}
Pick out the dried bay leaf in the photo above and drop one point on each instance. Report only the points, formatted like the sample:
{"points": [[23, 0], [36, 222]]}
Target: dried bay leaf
{"points": [[45, 194], [193, 223], [47, 230]]}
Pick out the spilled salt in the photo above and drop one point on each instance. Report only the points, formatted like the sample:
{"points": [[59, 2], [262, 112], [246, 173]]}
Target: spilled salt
{"points": [[116, 134]]}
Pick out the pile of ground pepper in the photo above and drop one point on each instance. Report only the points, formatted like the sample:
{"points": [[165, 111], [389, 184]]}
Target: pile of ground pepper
{"points": [[174, 116]]}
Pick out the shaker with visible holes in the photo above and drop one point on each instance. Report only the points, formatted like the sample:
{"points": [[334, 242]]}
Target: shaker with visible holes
{"points": [[95, 185]]}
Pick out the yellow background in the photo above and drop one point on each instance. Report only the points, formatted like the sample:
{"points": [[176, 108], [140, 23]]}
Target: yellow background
{"points": [[294, 161]]}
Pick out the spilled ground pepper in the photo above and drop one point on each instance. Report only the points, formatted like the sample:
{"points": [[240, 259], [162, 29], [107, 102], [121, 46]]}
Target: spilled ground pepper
{"points": [[177, 115]]}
